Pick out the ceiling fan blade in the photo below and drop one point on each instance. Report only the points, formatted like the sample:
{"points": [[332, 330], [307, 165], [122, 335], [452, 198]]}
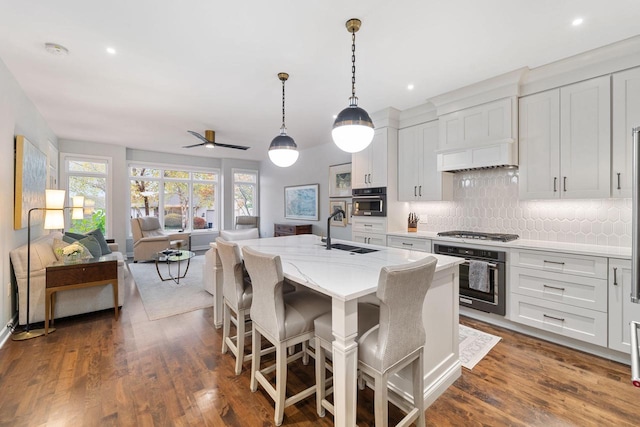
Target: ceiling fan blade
{"points": [[194, 145], [237, 147], [197, 135]]}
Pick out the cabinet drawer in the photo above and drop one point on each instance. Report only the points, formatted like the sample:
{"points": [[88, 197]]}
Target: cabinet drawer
{"points": [[579, 265], [574, 322], [369, 225], [585, 292], [412, 243], [369, 238], [281, 228], [81, 273]]}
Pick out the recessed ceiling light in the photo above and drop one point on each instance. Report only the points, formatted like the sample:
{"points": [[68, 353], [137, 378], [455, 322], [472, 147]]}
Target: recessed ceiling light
{"points": [[577, 22], [111, 51], [410, 86], [56, 49]]}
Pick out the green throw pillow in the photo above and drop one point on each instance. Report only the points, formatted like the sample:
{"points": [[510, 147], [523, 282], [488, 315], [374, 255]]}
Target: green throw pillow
{"points": [[89, 242], [104, 247]]}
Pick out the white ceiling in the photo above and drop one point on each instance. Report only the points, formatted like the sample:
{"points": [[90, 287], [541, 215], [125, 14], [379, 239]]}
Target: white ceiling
{"points": [[206, 64]]}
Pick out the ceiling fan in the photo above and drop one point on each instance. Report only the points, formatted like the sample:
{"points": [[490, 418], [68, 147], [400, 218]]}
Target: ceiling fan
{"points": [[209, 141]]}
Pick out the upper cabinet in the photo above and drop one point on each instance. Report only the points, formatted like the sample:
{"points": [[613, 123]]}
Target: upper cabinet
{"points": [[565, 142], [626, 116], [418, 177], [369, 166]]}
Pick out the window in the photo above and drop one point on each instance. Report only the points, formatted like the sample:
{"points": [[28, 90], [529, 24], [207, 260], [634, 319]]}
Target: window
{"points": [[89, 177], [182, 199], [245, 193]]}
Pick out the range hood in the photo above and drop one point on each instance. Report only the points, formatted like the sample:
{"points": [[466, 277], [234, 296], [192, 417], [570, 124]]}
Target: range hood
{"points": [[486, 156]]}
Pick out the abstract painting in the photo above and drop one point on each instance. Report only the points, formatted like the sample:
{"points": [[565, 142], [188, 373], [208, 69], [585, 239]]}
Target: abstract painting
{"points": [[30, 182]]}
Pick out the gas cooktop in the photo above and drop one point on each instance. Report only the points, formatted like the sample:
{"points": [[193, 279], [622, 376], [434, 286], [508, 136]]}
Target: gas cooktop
{"points": [[499, 237]]}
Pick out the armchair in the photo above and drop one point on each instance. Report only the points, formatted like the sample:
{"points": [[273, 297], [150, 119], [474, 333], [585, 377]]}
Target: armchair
{"points": [[149, 238], [247, 222]]}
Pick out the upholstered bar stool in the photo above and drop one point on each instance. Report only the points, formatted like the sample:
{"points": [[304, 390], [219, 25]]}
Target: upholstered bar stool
{"points": [[285, 320], [395, 342], [237, 295]]}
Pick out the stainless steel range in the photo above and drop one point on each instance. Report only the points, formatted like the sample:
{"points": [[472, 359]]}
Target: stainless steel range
{"points": [[489, 293]]}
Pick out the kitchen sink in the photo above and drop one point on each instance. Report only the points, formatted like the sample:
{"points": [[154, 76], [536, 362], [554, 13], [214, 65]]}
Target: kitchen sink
{"points": [[353, 249]]}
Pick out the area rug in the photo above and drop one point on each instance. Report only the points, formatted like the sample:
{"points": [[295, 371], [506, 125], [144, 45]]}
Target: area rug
{"points": [[163, 299], [474, 345]]}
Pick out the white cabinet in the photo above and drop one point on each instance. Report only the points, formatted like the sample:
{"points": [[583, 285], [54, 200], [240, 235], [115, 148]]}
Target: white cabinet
{"points": [[626, 116], [369, 230], [565, 144], [621, 309], [560, 293], [369, 166], [418, 177], [411, 243]]}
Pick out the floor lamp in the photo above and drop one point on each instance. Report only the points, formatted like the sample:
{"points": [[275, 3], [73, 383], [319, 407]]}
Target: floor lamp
{"points": [[53, 219]]}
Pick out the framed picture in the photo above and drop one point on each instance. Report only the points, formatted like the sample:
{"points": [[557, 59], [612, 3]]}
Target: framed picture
{"points": [[30, 182], [340, 180], [338, 220], [349, 212], [301, 202]]}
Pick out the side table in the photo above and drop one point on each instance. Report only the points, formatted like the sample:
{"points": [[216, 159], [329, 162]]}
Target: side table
{"points": [[62, 277]]}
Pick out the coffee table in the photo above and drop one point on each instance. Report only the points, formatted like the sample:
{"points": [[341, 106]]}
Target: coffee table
{"points": [[171, 256]]}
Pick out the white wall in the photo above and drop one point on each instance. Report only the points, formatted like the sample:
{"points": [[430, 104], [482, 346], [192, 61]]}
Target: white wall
{"points": [[18, 116], [312, 167]]}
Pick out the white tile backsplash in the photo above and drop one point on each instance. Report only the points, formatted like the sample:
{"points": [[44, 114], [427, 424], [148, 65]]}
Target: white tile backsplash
{"points": [[487, 200]]}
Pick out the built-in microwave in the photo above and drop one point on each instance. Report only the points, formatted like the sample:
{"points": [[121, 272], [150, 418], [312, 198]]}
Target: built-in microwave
{"points": [[370, 201]]}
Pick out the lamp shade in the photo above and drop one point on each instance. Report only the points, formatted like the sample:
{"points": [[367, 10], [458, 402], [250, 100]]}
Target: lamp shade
{"points": [[78, 207], [352, 129], [53, 219], [283, 150], [54, 199]]}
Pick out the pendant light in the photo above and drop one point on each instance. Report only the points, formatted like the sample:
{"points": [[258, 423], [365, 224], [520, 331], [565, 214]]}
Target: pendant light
{"points": [[283, 150], [353, 128]]}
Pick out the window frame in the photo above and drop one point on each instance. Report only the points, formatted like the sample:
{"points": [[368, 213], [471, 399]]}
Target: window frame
{"points": [[256, 202]]}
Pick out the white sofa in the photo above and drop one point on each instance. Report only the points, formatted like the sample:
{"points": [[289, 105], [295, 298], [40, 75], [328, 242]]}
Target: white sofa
{"points": [[212, 269], [68, 303]]}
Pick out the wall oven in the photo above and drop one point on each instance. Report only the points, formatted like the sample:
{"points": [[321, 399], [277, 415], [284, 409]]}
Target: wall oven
{"points": [[370, 201], [491, 299]]}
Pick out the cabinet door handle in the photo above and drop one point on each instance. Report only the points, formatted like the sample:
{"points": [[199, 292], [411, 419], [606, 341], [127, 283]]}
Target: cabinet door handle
{"points": [[553, 287], [415, 190], [615, 274], [369, 178], [564, 183], [618, 180], [365, 178], [552, 317], [553, 262], [555, 184], [368, 225], [420, 191], [407, 244]]}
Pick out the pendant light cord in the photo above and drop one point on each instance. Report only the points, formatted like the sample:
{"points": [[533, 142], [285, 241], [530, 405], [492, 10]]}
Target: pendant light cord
{"points": [[353, 64]]}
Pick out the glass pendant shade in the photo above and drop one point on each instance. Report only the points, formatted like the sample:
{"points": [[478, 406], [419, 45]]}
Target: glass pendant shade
{"points": [[352, 129], [283, 150]]}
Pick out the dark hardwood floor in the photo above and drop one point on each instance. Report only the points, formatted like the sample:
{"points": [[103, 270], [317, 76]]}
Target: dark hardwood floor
{"points": [[135, 372]]}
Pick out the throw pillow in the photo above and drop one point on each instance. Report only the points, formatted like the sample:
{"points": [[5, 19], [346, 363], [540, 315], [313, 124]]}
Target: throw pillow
{"points": [[97, 233], [89, 242], [58, 249]]}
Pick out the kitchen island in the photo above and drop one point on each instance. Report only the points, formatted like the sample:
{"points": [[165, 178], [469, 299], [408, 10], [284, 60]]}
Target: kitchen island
{"points": [[347, 277]]}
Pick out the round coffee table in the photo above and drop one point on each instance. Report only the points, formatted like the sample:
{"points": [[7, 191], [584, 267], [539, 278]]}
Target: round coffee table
{"points": [[170, 256]]}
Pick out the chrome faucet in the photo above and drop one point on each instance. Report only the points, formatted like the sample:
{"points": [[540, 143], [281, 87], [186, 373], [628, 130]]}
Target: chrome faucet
{"points": [[336, 212]]}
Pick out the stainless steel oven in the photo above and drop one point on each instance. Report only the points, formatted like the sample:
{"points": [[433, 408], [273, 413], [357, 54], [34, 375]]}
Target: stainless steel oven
{"points": [[370, 201], [491, 301]]}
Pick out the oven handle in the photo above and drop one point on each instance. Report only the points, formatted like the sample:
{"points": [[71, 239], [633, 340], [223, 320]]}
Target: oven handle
{"points": [[367, 197], [490, 264]]}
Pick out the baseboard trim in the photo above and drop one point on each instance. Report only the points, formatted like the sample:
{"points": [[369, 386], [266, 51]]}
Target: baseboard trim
{"points": [[7, 330]]}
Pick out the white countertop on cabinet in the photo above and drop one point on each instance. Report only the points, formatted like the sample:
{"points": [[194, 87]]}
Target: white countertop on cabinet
{"points": [[540, 245]]}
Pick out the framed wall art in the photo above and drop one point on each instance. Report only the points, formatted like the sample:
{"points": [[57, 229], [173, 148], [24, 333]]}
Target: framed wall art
{"points": [[301, 202], [30, 181], [338, 220], [340, 180]]}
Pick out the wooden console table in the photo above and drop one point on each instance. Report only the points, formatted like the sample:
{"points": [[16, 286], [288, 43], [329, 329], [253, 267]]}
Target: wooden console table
{"points": [[62, 277], [290, 229]]}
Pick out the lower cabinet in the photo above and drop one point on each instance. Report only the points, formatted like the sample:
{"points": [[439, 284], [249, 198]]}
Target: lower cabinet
{"points": [[369, 230], [621, 309], [411, 243], [560, 293]]}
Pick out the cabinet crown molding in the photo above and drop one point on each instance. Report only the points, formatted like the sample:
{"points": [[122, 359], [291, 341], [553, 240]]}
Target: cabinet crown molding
{"points": [[389, 117], [502, 86], [419, 114]]}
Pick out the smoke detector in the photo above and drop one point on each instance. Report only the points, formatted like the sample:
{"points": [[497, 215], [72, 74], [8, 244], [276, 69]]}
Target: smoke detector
{"points": [[56, 49]]}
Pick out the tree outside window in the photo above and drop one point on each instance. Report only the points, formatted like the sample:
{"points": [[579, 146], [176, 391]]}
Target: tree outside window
{"points": [[245, 192], [88, 178]]}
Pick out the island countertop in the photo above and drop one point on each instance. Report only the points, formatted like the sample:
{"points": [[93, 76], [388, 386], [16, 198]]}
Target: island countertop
{"points": [[338, 273]]}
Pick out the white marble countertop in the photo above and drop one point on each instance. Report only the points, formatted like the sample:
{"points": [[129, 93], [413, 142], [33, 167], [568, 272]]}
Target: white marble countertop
{"points": [[541, 245], [337, 273]]}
